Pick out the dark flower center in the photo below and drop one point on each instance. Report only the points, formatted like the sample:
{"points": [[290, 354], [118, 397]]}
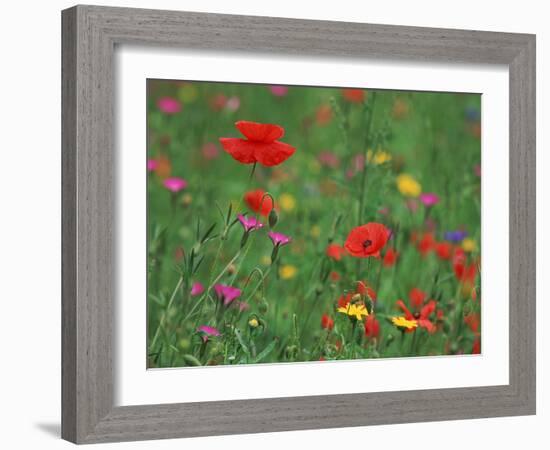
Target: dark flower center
{"points": [[367, 243], [417, 315]]}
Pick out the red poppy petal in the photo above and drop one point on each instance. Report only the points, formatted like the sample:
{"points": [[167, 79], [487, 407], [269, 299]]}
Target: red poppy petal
{"points": [[273, 153], [260, 132], [401, 305], [428, 309], [240, 149], [425, 323]]}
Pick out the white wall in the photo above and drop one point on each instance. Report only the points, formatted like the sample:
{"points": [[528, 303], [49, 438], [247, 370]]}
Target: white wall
{"points": [[30, 220]]}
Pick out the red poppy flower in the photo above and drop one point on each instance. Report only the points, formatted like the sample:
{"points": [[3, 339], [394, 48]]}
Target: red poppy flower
{"points": [[417, 297], [367, 240], [327, 322], [335, 251], [354, 95], [443, 250], [476, 346], [426, 244], [422, 317], [465, 273], [372, 327], [254, 201], [261, 144], [365, 290], [390, 258], [472, 320]]}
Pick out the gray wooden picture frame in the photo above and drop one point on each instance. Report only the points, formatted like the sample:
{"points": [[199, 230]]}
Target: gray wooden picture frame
{"points": [[90, 34]]}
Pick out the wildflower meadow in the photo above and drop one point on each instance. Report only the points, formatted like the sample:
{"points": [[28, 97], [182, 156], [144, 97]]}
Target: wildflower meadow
{"points": [[290, 223]]}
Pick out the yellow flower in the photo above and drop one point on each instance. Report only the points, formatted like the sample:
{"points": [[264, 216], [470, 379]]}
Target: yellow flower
{"points": [[266, 260], [253, 323], [408, 186], [287, 202], [469, 245], [380, 157], [404, 323], [357, 310], [188, 93], [287, 271], [315, 231]]}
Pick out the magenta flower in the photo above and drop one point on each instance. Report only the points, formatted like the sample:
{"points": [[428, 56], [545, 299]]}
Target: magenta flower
{"points": [[197, 289], [249, 223], [278, 239], [152, 165], [233, 103], [175, 184], [168, 105], [279, 91], [207, 332], [210, 151], [328, 159], [429, 198], [477, 170], [226, 294]]}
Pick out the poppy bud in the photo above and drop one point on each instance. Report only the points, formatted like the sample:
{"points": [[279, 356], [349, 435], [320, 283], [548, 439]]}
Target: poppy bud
{"points": [[319, 289], [273, 218], [231, 269]]}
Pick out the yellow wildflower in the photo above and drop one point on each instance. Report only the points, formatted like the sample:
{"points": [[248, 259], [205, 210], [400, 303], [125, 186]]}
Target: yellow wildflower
{"points": [[378, 157], [469, 245], [404, 323], [287, 202], [315, 231], [188, 93], [357, 310], [266, 260], [253, 323], [287, 271], [408, 186]]}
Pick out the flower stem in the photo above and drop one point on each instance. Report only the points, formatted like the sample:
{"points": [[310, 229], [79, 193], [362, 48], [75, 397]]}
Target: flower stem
{"points": [[161, 322]]}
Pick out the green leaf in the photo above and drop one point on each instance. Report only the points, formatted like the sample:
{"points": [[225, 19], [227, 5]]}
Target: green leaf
{"points": [[190, 360], [241, 341], [266, 351]]}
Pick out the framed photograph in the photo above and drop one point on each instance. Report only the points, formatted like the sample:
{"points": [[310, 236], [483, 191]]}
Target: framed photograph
{"points": [[276, 224]]}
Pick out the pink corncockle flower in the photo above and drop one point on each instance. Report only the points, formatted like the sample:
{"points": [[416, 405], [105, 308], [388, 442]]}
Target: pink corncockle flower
{"points": [[359, 162], [412, 204], [210, 150], [243, 306], [249, 223], [278, 239], [174, 184], [169, 105], [208, 331], [233, 103], [477, 170], [328, 159], [197, 289], [429, 198], [152, 165], [226, 294], [279, 91]]}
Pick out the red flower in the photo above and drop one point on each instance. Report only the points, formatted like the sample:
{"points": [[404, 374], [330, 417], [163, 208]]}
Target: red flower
{"points": [[417, 297], [390, 258], [354, 95], [254, 201], [426, 244], [472, 320], [327, 322], [335, 251], [367, 240], [365, 290], [334, 276], [443, 250], [476, 346], [372, 327], [465, 273], [261, 144], [423, 317]]}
